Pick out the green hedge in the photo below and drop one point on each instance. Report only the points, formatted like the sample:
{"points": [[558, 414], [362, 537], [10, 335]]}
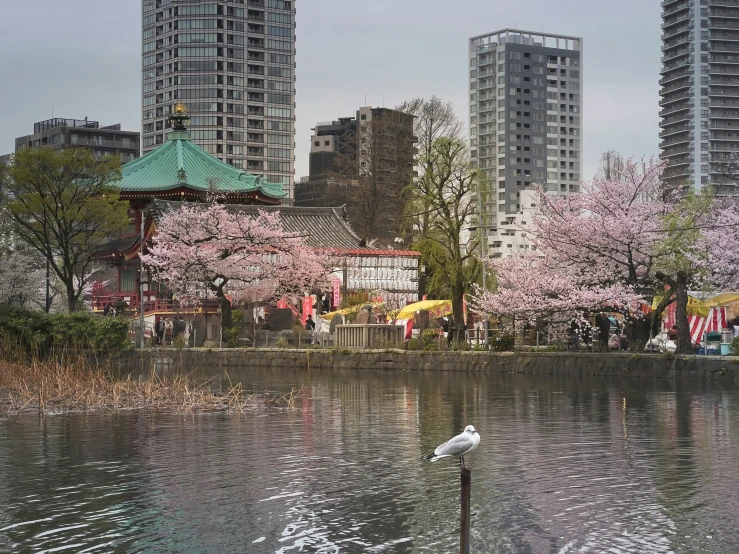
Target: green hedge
{"points": [[42, 333]]}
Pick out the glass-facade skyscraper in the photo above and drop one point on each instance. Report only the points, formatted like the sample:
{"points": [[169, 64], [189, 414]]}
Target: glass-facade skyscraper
{"points": [[232, 64]]}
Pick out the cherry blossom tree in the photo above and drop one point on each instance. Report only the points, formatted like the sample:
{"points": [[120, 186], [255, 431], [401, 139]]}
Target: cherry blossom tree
{"points": [[21, 280], [529, 287], [620, 239], [246, 257]]}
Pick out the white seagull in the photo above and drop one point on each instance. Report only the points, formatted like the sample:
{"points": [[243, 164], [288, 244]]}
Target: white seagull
{"points": [[462, 444]]}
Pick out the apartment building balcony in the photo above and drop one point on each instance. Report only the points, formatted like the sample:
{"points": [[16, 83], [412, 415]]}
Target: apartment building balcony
{"points": [[672, 99], [725, 80], [682, 64], [716, 69], [719, 103], [724, 35], [723, 147], [730, 17], [723, 114], [677, 19], [676, 53], [678, 165], [676, 86], [676, 171], [684, 127], [673, 3], [677, 7], [723, 92], [725, 136], [724, 59], [103, 143], [677, 150], [675, 42], [716, 3], [675, 75], [724, 19], [679, 117], [675, 31], [676, 141]]}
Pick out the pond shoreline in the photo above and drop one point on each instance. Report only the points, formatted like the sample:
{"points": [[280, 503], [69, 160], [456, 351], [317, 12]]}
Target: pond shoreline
{"points": [[605, 364]]}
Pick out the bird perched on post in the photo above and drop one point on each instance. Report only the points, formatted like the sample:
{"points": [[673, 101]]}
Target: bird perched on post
{"points": [[457, 447]]}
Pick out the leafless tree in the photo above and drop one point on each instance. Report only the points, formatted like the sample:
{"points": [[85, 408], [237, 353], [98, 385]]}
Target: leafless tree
{"points": [[611, 165], [433, 119], [376, 164]]}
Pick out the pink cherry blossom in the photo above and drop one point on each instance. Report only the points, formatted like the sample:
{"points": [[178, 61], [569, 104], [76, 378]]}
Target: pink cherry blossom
{"points": [[616, 242], [250, 258]]}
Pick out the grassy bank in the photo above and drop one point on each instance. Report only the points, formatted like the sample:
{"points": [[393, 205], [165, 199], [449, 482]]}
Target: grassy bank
{"points": [[70, 382]]}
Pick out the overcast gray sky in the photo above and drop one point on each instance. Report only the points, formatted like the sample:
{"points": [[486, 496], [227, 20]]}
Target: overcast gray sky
{"points": [[82, 58]]}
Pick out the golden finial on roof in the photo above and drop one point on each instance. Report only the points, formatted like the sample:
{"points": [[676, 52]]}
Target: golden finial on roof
{"points": [[179, 117]]}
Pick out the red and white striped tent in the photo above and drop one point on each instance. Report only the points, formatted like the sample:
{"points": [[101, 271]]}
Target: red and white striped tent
{"points": [[714, 321]]}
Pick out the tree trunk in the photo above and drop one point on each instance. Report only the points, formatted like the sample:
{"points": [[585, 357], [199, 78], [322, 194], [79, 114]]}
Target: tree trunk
{"points": [[71, 298], [457, 329], [684, 343]]}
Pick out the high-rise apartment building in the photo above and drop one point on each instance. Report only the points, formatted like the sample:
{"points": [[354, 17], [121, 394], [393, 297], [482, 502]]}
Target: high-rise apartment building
{"points": [[525, 122], [232, 64], [700, 90]]}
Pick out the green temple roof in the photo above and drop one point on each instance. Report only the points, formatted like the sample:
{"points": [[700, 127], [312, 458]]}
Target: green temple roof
{"points": [[179, 163]]}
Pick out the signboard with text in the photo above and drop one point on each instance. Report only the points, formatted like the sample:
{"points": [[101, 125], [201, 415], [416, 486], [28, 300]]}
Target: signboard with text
{"points": [[337, 294]]}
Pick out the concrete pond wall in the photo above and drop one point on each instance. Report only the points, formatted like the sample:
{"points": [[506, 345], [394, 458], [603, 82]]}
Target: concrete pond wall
{"points": [[725, 369]]}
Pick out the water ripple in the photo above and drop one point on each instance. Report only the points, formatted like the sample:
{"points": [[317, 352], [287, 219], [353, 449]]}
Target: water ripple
{"points": [[578, 466]]}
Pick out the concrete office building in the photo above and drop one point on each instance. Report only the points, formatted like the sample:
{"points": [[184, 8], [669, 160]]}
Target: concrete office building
{"points": [[232, 64], [525, 121], [329, 141], [699, 90], [60, 133], [333, 182]]}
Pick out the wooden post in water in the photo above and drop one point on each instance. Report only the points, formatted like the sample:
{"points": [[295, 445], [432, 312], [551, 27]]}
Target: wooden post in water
{"points": [[464, 524]]}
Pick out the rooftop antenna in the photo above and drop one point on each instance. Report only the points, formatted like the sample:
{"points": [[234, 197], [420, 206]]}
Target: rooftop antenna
{"points": [[365, 99]]}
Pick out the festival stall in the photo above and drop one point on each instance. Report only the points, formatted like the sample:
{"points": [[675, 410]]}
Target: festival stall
{"points": [[706, 316]]}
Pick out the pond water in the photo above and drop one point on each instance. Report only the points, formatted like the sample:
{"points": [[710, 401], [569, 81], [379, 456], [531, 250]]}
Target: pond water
{"points": [[564, 466]]}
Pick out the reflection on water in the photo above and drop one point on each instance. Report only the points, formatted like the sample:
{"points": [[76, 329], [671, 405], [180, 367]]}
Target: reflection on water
{"points": [[564, 466]]}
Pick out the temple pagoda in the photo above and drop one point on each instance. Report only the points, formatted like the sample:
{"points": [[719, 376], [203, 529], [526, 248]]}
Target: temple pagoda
{"points": [[181, 170], [177, 170]]}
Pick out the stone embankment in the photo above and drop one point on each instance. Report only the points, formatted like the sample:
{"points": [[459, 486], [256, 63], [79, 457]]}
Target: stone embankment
{"points": [[573, 364]]}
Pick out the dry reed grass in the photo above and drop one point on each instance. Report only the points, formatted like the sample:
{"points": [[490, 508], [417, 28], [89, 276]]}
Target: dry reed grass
{"points": [[72, 383]]}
